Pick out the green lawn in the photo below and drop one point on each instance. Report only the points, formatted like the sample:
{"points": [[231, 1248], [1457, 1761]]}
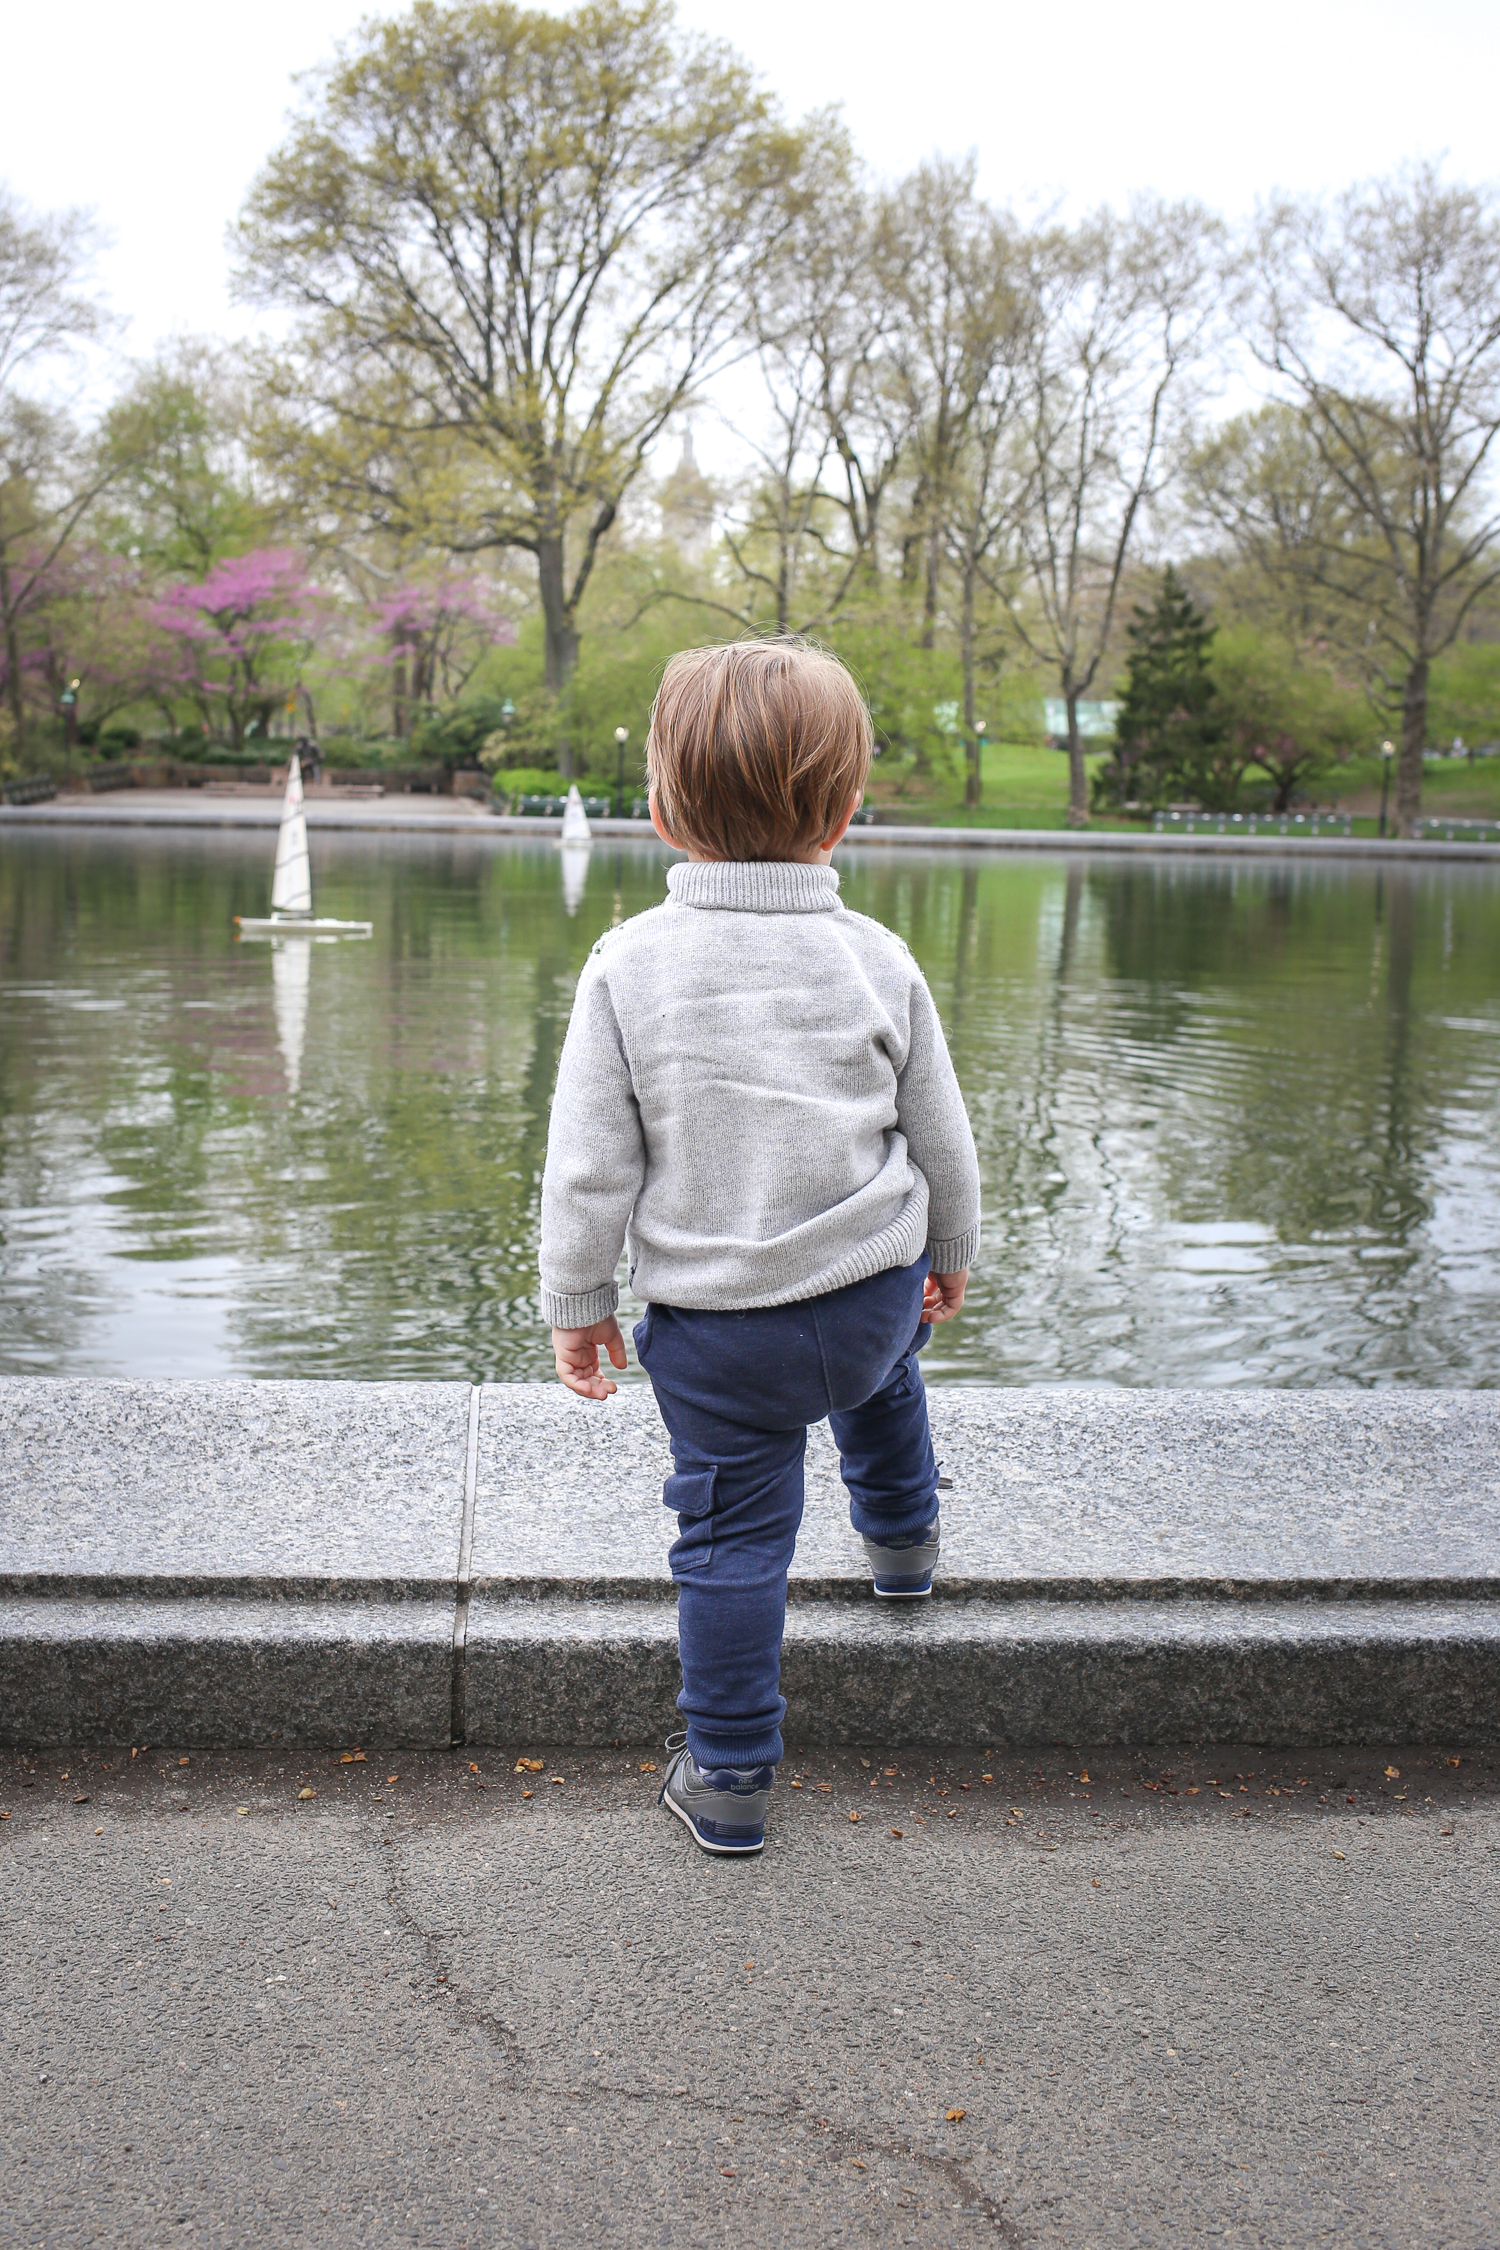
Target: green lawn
{"points": [[1027, 787], [1024, 787]]}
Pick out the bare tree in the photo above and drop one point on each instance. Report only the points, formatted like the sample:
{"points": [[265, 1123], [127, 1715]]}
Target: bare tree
{"points": [[978, 509], [46, 311], [795, 545], [521, 241], [1381, 319], [939, 235], [1122, 307]]}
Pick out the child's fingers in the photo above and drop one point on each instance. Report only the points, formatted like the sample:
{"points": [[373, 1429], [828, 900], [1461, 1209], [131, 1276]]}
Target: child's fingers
{"points": [[584, 1379], [615, 1345]]}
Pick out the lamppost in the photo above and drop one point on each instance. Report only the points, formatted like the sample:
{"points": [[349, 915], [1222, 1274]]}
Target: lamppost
{"points": [[976, 790], [69, 702], [622, 736], [1387, 753]]}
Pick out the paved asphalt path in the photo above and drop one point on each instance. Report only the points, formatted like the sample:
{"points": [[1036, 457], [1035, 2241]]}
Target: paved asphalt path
{"points": [[1093, 2000]]}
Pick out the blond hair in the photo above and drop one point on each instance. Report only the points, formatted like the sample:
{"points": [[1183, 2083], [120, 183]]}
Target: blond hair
{"points": [[756, 748]]}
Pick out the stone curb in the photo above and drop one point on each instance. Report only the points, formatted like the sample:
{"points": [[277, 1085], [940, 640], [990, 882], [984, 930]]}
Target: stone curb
{"points": [[420, 1563], [392, 818]]}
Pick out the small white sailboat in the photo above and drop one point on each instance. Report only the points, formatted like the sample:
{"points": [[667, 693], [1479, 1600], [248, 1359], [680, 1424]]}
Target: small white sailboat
{"points": [[575, 827], [291, 912]]}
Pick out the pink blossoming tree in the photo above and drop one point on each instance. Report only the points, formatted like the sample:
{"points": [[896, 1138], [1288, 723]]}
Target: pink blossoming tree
{"points": [[438, 629], [240, 637]]}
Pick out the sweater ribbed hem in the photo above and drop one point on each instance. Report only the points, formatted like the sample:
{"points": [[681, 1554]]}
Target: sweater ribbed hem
{"points": [[580, 1308], [957, 1254], [755, 886]]}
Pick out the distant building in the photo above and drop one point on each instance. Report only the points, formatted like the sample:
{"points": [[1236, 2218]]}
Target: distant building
{"points": [[1096, 721], [687, 506]]}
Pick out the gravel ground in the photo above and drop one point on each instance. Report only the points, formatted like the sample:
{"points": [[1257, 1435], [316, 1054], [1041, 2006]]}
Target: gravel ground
{"points": [[1065, 1998]]}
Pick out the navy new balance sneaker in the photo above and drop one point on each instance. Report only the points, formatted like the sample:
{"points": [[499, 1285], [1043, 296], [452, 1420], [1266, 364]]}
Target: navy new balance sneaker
{"points": [[903, 1570], [724, 1809]]}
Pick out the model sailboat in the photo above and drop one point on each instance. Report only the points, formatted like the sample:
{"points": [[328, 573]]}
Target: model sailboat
{"points": [[291, 912]]}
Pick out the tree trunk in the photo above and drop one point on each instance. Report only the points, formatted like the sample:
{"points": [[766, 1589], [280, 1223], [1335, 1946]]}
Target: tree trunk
{"points": [[1078, 780], [398, 694], [13, 695], [930, 591], [1413, 742], [561, 635], [973, 778]]}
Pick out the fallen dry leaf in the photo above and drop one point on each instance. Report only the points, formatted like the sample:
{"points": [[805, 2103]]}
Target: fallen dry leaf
{"points": [[529, 1765], [1454, 1761], [353, 1758], [184, 1761], [83, 1800], [955, 2116], [649, 1766], [557, 1779], [390, 1777], [854, 1816], [898, 1834], [242, 1808], [1083, 1777], [1393, 1773], [304, 1794], [98, 1831], [858, 2166], [726, 2171], [472, 1767], [528, 1792], [1338, 1855], [1095, 1881]]}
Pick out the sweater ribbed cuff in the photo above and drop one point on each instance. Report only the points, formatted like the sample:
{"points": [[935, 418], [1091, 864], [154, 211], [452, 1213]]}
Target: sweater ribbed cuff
{"points": [[957, 1254], [579, 1308]]}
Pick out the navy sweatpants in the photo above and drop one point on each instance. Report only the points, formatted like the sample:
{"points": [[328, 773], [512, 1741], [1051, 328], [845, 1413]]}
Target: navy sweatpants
{"points": [[737, 1392]]}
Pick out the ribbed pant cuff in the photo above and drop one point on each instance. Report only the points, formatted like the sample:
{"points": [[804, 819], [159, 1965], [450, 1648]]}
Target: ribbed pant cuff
{"points": [[738, 1751]]}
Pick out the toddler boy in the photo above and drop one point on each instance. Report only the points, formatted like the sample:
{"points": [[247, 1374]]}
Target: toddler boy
{"points": [[756, 1101]]}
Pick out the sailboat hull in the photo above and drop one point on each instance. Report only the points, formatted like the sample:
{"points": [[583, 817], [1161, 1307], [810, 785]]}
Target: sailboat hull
{"points": [[310, 925]]}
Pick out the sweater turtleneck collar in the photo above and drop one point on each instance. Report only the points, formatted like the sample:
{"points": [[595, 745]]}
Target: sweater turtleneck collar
{"points": [[755, 886]]}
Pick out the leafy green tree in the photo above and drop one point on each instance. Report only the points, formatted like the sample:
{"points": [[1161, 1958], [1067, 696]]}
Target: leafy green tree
{"points": [[520, 242], [181, 496], [1283, 715]]}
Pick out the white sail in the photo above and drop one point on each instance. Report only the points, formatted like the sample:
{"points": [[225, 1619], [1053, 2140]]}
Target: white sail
{"points": [[575, 827], [291, 885]]}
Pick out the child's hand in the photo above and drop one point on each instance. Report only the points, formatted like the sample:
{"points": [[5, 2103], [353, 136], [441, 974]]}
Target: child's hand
{"points": [[576, 1351], [942, 1295]]}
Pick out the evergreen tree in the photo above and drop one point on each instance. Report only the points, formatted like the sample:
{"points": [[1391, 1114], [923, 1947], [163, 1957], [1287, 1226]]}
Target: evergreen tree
{"points": [[1167, 733]]}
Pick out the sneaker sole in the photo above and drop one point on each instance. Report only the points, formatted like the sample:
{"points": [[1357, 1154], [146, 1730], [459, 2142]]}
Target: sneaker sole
{"points": [[709, 1843], [902, 1593]]}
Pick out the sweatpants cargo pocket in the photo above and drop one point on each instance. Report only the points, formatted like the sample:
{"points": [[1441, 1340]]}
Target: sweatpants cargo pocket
{"points": [[690, 1492]]}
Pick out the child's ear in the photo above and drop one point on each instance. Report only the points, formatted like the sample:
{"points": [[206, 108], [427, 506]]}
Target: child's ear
{"points": [[838, 834], [656, 824]]}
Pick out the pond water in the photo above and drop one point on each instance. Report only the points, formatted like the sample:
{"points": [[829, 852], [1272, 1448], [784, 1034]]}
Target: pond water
{"points": [[1238, 1122]]}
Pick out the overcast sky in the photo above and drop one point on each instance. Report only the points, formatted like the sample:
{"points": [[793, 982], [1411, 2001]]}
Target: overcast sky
{"points": [[157, 116]]}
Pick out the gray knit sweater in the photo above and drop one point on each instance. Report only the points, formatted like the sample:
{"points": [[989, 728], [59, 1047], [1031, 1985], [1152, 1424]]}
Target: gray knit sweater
{"points": [[756, 1100]]}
